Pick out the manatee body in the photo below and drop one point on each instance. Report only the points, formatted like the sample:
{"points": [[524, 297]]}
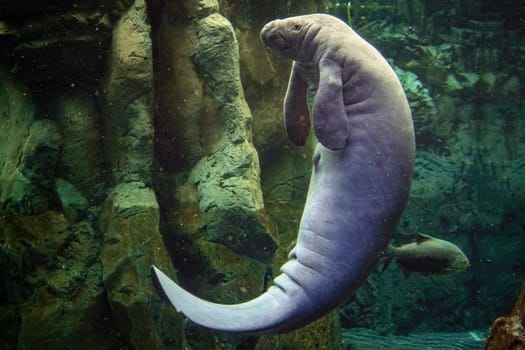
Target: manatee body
{"points": [[362, 170]]}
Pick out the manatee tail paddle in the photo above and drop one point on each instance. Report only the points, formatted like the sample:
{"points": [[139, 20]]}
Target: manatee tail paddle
{"points": [[271, 312]]}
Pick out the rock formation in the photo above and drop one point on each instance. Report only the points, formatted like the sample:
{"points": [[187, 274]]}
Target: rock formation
{"points": [[508, 332], [78, 128]]}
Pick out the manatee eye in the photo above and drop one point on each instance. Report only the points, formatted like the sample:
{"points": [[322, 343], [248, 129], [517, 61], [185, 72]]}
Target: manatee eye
{"points": [[296, 26]]}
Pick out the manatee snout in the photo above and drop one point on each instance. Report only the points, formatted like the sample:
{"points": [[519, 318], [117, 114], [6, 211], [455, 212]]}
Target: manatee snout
{"points": [[273, 37]]}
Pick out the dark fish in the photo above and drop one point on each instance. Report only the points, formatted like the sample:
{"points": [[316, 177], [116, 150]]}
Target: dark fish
{"points": [[428, 256]]}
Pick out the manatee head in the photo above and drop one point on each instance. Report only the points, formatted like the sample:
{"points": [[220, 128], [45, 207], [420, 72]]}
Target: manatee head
{"points": [[287, 36]]}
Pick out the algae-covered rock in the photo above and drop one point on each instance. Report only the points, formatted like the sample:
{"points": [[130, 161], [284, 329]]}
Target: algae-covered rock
{"points": [[66, 46], [230, 201], [28, 188], [235, 278], [512, 86], [226, 177], [421, 103], [52, 272], [187, 128], [29, 150], [73, 204], [324, 334], [132, 243], [82, 158], [489, 80], [16, 117], [230, 196], [461, 81], [70, 307], [54, 139], [217, 55], [128, 89], [508, 332], [412, 11], [440, 57]]}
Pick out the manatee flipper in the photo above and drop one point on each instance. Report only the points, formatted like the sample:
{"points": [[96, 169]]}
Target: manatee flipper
{"points": [[296, 116], [329, 115]]}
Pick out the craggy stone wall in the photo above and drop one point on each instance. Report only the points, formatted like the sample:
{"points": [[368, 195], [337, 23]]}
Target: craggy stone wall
{"points": [[127, 133], [79, 219], [508, 332]]}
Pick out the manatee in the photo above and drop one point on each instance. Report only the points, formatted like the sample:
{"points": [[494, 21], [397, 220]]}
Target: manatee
{"points": [[361, 174]]}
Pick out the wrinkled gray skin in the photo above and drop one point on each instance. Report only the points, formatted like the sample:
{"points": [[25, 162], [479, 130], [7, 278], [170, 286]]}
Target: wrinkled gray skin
{"points": [[362, 169]]}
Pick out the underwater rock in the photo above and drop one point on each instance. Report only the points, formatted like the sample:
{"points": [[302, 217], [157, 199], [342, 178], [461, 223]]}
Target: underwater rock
{"points": [[73, 204], [28, 150], [508, 332], [230, 201], [434, 176], [440, 57], [50, 322], [324, 333], [512, 86], [28, 188], [234, 277], [82, 159], [217, 57], [215, 135], [132, 243], [421, 103], [228, 182], [186, 127], [452, 83], [461, 81], [265, 79], [489, 80], [128, 89], [412, 11], [285, 182], [52, 272], [65, 46], [254, 57], [25, 244]]}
